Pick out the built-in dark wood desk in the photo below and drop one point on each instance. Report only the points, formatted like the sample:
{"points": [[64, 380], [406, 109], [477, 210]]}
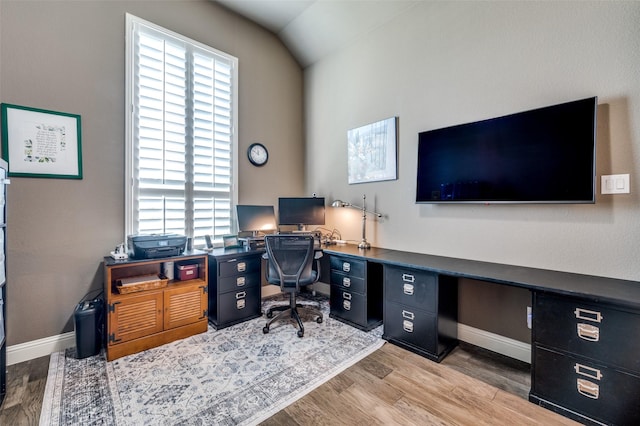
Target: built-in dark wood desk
{"points": [[585, 332]]}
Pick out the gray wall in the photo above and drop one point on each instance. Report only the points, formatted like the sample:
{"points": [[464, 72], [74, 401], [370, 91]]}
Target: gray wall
{"points": [[440, 63], [69, 56], [446, 63]]}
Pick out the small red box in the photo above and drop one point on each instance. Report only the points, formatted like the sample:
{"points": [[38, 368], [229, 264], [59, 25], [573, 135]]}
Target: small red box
{"points": [[186, 272]]}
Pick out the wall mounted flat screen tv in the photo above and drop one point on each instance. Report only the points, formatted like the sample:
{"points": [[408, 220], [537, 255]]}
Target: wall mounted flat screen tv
{"points": [[545, 155], [301, 211]]}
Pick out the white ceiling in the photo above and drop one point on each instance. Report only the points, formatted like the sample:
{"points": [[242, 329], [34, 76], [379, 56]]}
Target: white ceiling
{"points": [[312, 29]]}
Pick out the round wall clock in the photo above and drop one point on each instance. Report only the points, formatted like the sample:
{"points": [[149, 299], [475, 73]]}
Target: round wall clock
{"points": [[258, 154]]}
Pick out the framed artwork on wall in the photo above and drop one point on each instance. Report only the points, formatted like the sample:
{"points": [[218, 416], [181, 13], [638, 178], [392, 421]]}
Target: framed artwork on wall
{"points": [[372, 152], [41, 143]]}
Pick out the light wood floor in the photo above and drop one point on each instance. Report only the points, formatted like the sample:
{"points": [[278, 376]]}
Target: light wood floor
{"points": [[396, 387], [391, 387]]}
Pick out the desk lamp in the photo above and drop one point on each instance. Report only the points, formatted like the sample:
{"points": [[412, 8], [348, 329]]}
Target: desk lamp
{"points": [[364, 244]]}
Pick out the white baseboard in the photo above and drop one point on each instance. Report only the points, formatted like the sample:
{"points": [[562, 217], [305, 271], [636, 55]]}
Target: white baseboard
{"points": [[494, 342], [41, 347]]}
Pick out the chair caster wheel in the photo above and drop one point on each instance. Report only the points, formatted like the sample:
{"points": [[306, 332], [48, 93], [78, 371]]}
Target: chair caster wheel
{"points": [[319, 320], [269, 314], [300, 333], [265, 330]]}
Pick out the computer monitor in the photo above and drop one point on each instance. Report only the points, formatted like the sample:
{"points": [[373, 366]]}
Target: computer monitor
{"points": [[256, 219], [301, 211]]}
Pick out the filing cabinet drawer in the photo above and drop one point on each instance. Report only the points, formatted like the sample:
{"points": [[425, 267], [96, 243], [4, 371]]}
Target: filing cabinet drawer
{"points": [[238, 305], [351, 267], [593, 331], [238, 282], [349, 306], [409, 325], [354, 284], [585, 387], [239, 266], [411, 287]]}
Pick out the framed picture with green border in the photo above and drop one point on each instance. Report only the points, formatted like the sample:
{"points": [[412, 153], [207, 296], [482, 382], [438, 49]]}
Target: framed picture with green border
{"points": [[40, 143]]}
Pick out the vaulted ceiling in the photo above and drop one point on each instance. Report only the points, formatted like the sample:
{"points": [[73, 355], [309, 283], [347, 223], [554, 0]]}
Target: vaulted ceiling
{"points": [[312, 29]]}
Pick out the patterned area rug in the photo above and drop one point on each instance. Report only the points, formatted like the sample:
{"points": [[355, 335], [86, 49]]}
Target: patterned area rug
{"points": [[236, 375]]}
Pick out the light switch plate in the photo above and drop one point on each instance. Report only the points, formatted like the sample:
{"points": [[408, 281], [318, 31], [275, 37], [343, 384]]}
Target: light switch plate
{"points": [[614, 184]]}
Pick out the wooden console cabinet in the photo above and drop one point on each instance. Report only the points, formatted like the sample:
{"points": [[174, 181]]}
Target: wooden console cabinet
{"points": [[145, 319]]}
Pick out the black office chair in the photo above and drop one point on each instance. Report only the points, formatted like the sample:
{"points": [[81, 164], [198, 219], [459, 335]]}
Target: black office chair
{"points": [[291, 266]]}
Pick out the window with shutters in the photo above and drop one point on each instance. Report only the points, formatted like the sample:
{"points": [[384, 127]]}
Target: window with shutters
{"points": [[181, 144]]}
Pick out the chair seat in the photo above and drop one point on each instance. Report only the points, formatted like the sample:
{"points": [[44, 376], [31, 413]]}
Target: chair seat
{"points": [[292, 283]]}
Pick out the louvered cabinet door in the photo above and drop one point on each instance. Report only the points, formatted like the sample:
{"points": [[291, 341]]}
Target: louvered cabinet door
{"points": [[135, 316], [184, 304]]}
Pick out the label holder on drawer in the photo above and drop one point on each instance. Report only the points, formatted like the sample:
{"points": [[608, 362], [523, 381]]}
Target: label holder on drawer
{"points": [[586, 314], [586, 371], [408, 315], [408, 278]]}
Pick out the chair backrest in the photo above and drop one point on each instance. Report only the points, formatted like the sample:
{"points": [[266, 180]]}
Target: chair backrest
{"points": [[290, 259]]}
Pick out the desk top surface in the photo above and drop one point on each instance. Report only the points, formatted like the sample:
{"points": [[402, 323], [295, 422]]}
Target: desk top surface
{"points": [[599, 289]]}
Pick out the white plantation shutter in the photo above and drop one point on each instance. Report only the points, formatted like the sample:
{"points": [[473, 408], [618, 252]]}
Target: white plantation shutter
{"points": [[180, 135]]}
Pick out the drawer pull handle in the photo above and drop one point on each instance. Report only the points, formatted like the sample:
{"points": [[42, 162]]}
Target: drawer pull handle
{"points": [[408, 315], [240, 281], [593, 373], [240, 304], [407, 326], [346, 281], [241, 294], [588, 389], [407, 289], [408, 278], [346, 296], [585, 314], [588, 332], [346, 266], [346, 304], [242, 266]]}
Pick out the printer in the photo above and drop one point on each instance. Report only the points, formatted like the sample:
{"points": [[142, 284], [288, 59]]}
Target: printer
{"points": [[151, 246]]}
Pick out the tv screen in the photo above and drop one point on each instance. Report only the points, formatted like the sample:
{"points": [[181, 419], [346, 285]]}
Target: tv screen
{"points": [[301, 211], [545, 155], [256, 218]]}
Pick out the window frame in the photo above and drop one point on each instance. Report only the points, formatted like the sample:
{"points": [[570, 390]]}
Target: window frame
{"points": [[130, 145]]}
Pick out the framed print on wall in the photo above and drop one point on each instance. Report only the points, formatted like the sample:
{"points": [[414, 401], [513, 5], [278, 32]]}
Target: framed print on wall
{"points": [[372, 152], [41, 143]]}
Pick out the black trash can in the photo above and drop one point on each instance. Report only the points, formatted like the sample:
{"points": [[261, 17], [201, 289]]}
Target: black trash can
{"points": [[87, 320]]}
